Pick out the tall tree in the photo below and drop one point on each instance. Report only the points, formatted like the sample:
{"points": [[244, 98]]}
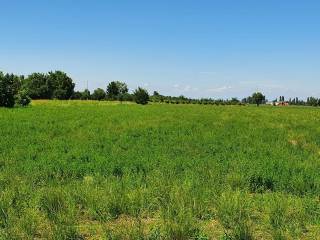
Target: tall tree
{"points": [[62, 85], [85, 95], [258, 98], [115, 89], [10, 85], [98, 94], [112, 90], [123, 88], [141, 96], [38, 86]]}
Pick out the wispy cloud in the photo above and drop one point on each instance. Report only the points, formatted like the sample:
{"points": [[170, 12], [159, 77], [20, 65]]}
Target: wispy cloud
{"points": [[185, 88], [219, 89]]}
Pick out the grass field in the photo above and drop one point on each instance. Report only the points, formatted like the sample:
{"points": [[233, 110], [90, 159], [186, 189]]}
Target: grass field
{"points": [[96, 170]]}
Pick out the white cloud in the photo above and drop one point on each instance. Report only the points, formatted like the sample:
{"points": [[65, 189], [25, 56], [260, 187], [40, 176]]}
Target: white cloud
{"points": [[219, 89], [185, 88]]}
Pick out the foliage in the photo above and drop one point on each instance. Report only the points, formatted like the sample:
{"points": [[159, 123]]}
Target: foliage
{"points": [[38, 86], [85, 95], [56, 85], [9, 87], [115, 89], [141, 96], [22, 98], [62, 85], [257, 98], [158, 98], [77, 95], [98, 94]]}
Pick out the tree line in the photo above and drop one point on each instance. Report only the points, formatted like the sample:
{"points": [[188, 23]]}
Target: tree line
{"points": [[311, 101], [20, 90]]}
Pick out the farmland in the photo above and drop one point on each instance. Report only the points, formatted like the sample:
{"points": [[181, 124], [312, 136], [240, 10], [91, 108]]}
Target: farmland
{"points": [[101, 170]]}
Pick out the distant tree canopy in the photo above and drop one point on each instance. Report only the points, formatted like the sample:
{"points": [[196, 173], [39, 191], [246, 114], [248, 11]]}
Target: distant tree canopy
{"points": [[76, 95], [7, 89], [38, 86], [48, 86], [11, 91], [85, 95], [116, 90], [22, 98], [258, 98], [98, 94], [18, 90], [62, 85], [141, 96]]}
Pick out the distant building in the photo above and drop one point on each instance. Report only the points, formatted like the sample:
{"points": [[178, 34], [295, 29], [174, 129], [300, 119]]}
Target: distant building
{"points": [[281, 103]]}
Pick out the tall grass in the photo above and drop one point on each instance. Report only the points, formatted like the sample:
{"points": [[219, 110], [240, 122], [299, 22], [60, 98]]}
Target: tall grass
{"points": [[83, 170]]}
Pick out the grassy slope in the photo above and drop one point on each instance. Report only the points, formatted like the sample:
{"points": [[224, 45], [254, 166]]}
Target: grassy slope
{"points": [[99, 170]]}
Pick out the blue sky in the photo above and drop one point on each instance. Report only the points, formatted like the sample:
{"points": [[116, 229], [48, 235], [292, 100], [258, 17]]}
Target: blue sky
{"points": [[196, 48]]}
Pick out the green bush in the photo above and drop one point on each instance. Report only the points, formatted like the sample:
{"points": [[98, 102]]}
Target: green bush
{"points": [[98, 94], [9, 85], [141, 96], [23, 98]]}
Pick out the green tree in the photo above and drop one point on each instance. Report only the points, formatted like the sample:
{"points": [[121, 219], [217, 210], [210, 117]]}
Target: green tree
{"points": [[98, 94], [258, 98], [312, 101], [76, 95], [38, 86], [112, 90], [22, 98], [123, 88], [9, 87], [62, 85], [234, 101], [115, 89], [85, 95], [141, 96]]}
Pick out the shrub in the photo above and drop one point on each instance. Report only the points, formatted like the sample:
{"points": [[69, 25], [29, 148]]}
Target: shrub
{"points": [[141, 96], [98, 94], [85, 95], [23, 98]]}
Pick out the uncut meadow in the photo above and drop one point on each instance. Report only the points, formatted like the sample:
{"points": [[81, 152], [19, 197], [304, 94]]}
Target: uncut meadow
{"points": [[101, 170]]}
